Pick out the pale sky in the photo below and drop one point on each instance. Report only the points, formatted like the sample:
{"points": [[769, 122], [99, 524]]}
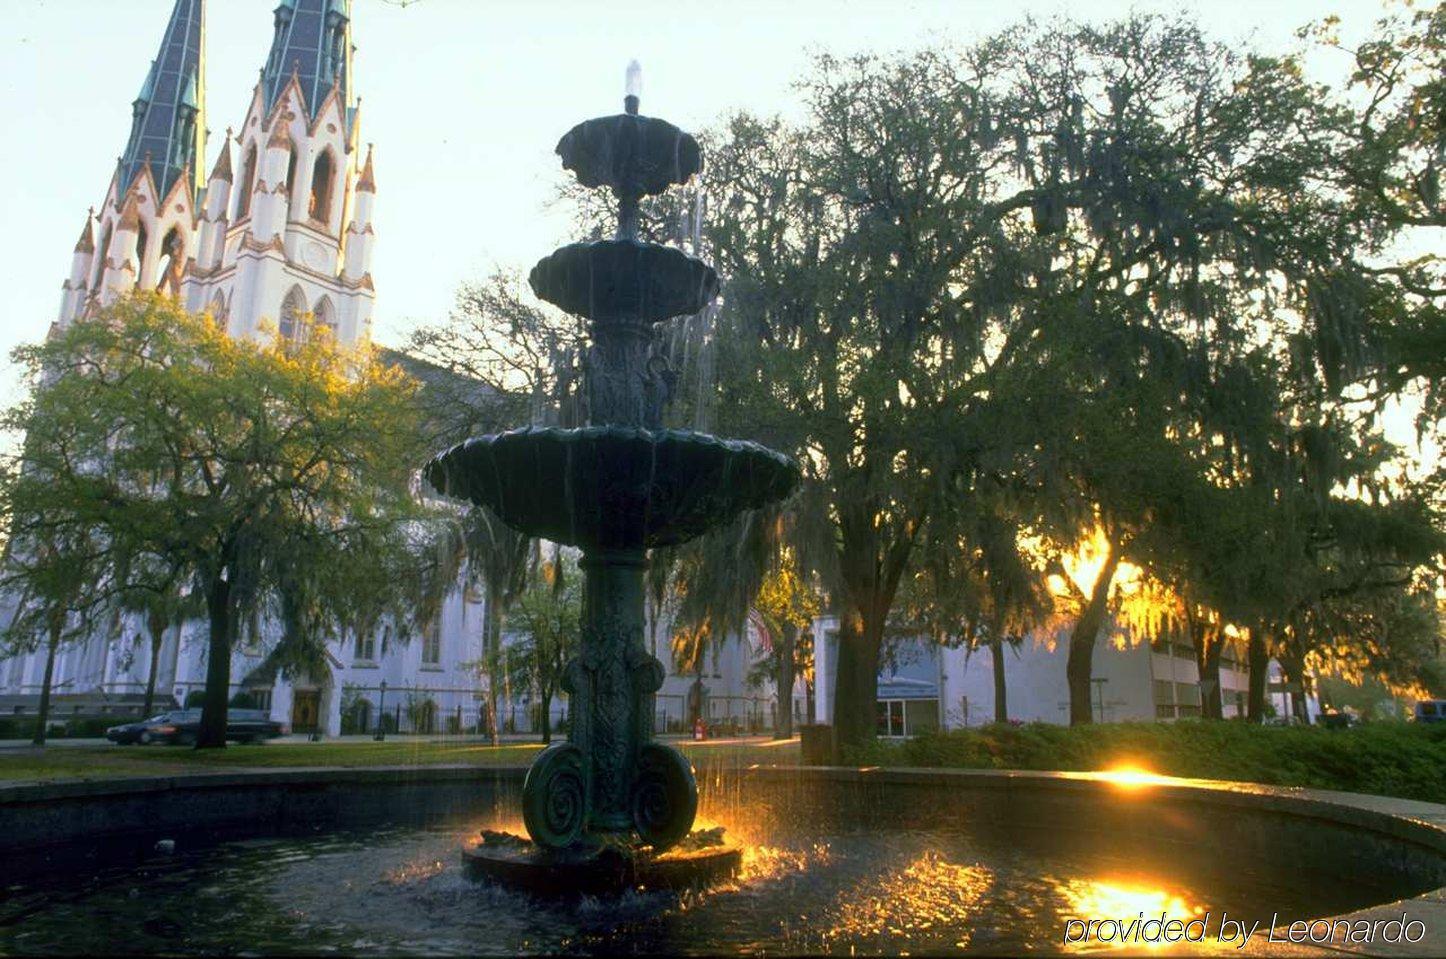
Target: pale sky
{"points": [[464, 100]]}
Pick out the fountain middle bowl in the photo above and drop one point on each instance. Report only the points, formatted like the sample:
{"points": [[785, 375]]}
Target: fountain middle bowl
{"points": [[620, 280], [610, 487]]}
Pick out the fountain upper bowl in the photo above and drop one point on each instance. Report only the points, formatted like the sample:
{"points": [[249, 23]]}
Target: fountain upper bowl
{"points": [[611, 487], [635, 155], [621, 280]]}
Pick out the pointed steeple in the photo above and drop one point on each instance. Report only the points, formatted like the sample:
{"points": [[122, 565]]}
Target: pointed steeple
{"points": [[86, 243], [312, 43], [168, 117], [368, 179], [223, 162]]}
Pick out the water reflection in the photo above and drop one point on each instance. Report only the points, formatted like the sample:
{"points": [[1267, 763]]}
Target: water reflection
{"points": [[928, 896], [1124, 902]]}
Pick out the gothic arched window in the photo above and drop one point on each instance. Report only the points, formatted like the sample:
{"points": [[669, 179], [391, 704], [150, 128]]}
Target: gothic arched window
{"points": [[290, 185], [218, 310], [246, 185], [326, 315], [322, 175], [140, 250], [292, 324]]}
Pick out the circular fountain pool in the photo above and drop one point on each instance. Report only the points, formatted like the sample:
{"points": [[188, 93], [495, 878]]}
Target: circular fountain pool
{"points": [[836, 862]]}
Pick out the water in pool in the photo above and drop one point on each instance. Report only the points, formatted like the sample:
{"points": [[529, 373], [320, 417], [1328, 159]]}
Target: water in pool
{"points": [[402, 889]]}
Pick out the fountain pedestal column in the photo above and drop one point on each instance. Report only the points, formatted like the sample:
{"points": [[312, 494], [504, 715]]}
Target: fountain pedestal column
{"points": [[610, 779], [612, 682]]}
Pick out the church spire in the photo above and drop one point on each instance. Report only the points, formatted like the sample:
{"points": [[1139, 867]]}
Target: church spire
{"points": [[368, 179], [86, 243], [313, 44], [168, 125]]}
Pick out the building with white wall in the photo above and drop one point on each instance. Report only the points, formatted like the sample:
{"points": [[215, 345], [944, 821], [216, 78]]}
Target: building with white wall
{"points": [[923, 686]]}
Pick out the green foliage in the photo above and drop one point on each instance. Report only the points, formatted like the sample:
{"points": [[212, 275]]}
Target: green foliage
{"points": [[271, 477], [1071, 280], [546, 621], [1385, 758], [63, 727], [421, 712]]}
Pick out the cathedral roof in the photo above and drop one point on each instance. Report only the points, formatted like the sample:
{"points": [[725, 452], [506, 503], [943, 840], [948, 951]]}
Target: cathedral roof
{"points": [[168, 126], [313, 42]]}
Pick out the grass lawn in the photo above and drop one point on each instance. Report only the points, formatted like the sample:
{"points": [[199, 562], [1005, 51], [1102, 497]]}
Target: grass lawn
{"points": [[64, 762], [1407, 760]]}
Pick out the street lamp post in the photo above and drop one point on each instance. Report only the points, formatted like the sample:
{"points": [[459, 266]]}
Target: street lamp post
{"points": [[382, 715]]}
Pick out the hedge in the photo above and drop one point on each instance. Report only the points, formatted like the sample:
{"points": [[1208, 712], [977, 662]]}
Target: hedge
{"points": [[1387, 758]]}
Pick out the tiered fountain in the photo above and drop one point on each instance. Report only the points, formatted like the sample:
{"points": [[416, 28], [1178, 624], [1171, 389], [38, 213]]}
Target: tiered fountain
{"points": [[602, 808]]}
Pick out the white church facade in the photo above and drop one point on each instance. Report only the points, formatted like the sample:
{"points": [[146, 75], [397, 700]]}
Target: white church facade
{"points": [[280, 229]]}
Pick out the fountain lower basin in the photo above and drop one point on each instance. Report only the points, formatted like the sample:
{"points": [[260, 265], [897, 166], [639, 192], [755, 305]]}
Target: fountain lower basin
{"points": [[703, 858], [612, 487], [365, 861]]}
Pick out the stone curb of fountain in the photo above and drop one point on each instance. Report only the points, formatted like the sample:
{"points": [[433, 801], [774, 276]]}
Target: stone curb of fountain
{"points": [[1406, 819]]}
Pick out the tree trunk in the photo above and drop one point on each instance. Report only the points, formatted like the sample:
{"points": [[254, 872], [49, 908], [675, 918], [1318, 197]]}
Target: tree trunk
{"points": [[783, 718], [1208, 659], [52, 643], [856, 690], [695, 695], [1080, 667], [1292, 668], [546, 700], [1259, 674], [492, 653], [212, 734], [1001, 694], [158, 636]]}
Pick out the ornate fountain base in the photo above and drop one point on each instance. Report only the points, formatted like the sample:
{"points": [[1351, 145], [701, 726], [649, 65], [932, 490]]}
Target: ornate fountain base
{"points": [[703, 857]]}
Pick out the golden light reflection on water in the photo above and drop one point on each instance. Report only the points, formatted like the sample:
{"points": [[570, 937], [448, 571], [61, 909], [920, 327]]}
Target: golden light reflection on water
{"points": [[763, 862], [1124, 901], [1094, 897], [925, 898]]}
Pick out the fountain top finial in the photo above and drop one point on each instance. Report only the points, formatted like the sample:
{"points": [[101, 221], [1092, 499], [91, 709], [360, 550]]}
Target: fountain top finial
{"points": [[632, 87]]}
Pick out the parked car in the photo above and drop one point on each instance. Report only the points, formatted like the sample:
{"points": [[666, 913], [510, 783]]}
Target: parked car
{"points": [[180, 727], [1430, 711]]}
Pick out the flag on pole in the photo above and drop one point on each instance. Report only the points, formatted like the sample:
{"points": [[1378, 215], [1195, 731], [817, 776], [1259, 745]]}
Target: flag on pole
{"points": [[760, 627]]}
